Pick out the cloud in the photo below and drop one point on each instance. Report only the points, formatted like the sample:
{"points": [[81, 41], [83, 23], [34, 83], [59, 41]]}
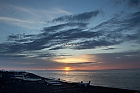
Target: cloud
{"points": [[22, 38], [83, 63], [12, 56], [74, 32], [110, 48], [94, 44], [86, 16], [30, 24], [121, 58], [74, 59], [63, 11], [59, 27], [133, 3], [30, 64], [129, 3], [16, 9], [102, 61], [32, 12], [17, 20], [27, 17], [111, 32]]}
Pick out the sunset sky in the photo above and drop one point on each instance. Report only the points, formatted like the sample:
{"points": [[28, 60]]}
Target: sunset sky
{"points": [[80, 34]]}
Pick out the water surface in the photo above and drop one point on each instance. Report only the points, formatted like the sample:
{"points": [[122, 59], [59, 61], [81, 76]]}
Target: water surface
{"points": [[127, 79]]}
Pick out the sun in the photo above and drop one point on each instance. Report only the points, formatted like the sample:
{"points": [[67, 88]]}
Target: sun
{"points": [[66, 68]]}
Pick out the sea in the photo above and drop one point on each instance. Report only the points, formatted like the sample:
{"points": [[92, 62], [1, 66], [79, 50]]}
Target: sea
{"points": [[125, 79]]}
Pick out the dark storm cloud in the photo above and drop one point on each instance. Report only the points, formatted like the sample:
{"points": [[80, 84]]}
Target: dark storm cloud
{"points": [[11, 47], [73, 32], [16, 37], [120, 29], [117, 23], [11, 56], [66, 25], [129, 3], [111, 32], [80, 17], [133, 3], [93, 44], [132, 37]]}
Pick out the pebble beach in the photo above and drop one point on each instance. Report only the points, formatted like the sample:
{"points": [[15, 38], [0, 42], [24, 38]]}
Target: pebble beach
{"points": [[11, 83]]}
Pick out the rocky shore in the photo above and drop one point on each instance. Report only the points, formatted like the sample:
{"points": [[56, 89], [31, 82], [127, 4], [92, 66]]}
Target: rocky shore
{"points": [[24, 82]]}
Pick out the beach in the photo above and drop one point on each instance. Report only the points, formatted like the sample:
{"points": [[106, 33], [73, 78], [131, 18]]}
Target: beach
{"points": [[12, 82], [124, 79]]}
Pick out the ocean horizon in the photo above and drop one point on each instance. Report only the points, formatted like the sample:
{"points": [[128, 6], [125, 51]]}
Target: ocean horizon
{"points": [[122, 78]]}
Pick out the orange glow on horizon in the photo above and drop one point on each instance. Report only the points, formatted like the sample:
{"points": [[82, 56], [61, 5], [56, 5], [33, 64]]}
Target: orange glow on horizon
{"points": [[67, 68], [75, 59]]}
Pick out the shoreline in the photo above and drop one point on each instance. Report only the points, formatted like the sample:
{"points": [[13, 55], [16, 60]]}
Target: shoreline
{"points": [[21, 82]]}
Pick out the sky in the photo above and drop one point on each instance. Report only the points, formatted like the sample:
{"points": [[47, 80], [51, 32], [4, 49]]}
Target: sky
{"points": [[80, 34]]}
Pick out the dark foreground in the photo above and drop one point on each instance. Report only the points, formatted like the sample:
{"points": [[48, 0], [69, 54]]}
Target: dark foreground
{"points": [[8, 84]]}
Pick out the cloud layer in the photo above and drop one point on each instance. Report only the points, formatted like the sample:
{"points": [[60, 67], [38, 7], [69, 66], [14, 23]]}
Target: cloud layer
{"points": [[76, 32], [73, 32]]}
